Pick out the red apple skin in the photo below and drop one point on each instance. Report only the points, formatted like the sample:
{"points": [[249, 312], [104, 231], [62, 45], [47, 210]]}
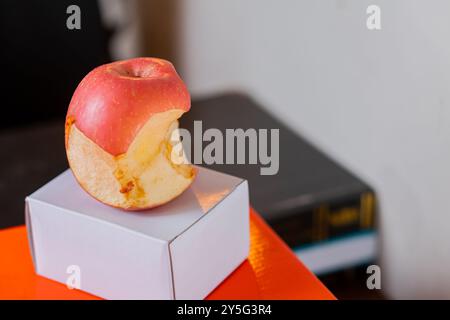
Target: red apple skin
{"points": [[113, 101]]}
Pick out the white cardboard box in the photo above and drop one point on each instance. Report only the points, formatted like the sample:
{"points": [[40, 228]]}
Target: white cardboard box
{"points": [[181, 250]]}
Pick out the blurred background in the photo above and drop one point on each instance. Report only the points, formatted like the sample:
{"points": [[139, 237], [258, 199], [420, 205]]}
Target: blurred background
{"points": [[374, 102]]}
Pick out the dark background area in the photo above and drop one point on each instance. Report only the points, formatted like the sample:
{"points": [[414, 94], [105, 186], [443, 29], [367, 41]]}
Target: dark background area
{"points": [[42, 61]]}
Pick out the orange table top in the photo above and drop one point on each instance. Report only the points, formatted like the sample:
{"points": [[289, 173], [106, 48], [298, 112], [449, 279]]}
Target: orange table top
{"points": [[271, 271]]}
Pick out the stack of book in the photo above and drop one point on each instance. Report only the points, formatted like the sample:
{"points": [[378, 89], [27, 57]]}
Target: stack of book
{"points": [[325, 213]]}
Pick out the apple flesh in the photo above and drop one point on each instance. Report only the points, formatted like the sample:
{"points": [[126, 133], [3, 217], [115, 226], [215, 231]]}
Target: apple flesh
{"points": [[118, 133]]}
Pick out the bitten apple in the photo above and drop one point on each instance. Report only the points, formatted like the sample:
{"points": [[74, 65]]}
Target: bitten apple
{"points": [[118, 130]]}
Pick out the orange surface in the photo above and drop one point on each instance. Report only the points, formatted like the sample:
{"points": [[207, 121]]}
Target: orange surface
{"points": [[271, 272]]}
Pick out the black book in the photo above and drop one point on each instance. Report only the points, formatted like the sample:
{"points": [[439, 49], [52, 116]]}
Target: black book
{"points": [[311, 200]]}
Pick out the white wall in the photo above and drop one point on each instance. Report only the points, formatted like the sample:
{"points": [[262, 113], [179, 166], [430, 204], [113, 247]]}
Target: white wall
{"points": [[379, 101]]}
